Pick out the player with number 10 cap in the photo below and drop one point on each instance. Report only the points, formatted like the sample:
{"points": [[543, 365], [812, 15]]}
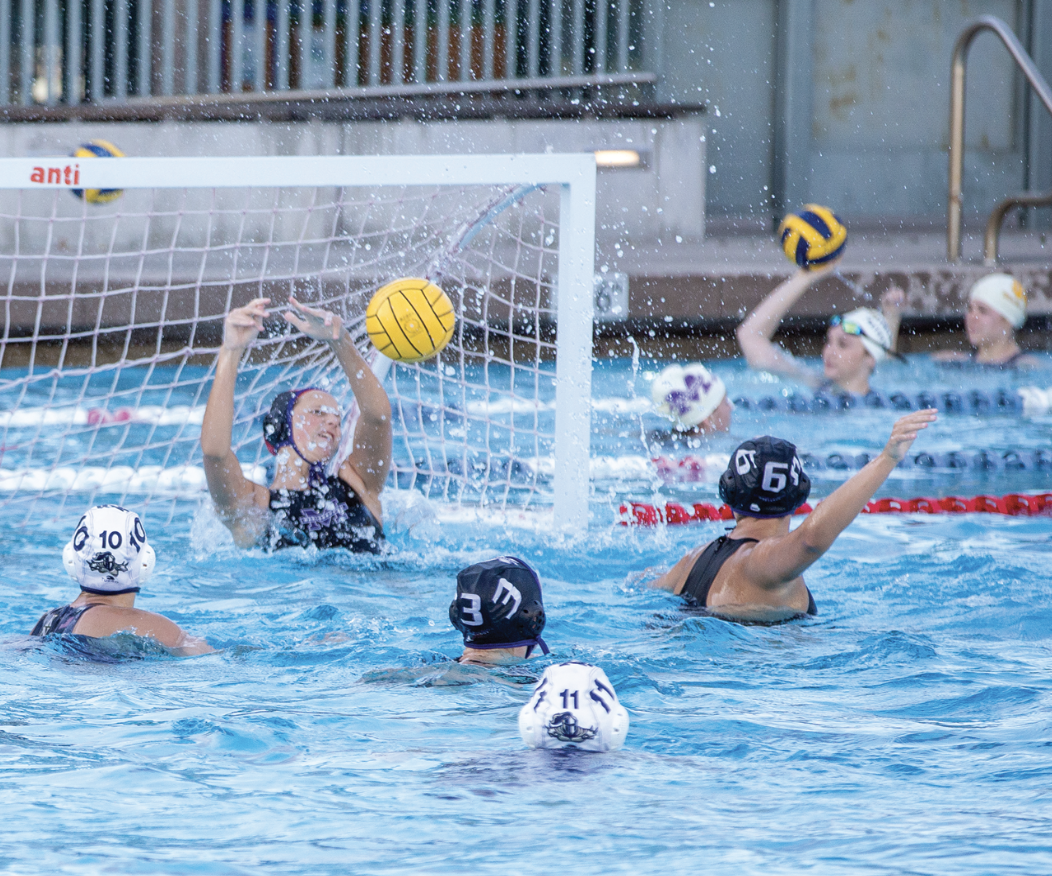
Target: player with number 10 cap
{"points": [[499, 610], [110, 558], [755, 574]]}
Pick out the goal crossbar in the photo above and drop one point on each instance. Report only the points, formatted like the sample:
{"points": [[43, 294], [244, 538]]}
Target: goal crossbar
{"points": [[574, 174]]}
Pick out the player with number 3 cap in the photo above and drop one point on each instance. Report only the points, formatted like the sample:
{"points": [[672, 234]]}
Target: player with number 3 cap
{"points": [[499, 610], [109, 557], [757, 575]]}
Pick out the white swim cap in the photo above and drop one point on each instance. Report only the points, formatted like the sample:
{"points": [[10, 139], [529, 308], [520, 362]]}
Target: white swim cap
{"points": [[1004, 294], [687, 394], [574, 706], [108, 553], [870, 327]]}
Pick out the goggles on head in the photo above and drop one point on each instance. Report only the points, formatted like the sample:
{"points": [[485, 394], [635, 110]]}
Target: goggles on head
{"points": [[850, 327]]}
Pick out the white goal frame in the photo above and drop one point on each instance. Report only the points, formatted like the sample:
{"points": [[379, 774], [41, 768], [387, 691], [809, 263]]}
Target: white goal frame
{"points": [[575, 174]]}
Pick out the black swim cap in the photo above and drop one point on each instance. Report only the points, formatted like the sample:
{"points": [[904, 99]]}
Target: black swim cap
{"points": [[765, 478], [498, 605], [277, 423]]}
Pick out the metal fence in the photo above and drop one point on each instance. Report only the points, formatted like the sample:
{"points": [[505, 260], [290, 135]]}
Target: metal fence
{"points": [[55, 52]]}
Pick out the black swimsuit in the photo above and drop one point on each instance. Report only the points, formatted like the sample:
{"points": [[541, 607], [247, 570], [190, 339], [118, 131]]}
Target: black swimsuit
{"points": [[707, 566], [1011, 362], [327, 515], [60, 621]]}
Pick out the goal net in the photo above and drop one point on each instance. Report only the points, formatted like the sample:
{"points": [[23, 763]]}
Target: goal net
{"points": [[113, 314]]}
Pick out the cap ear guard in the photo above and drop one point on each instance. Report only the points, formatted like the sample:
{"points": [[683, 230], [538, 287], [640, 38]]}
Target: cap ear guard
{"points": [[147, 560], [69, 559]]}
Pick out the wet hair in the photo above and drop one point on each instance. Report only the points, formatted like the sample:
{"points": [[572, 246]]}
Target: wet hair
{"points": [[765, 479]]}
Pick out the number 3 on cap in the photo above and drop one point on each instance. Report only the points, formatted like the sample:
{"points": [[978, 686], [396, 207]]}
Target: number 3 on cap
{"points": [[774, 478], [470, 612]]}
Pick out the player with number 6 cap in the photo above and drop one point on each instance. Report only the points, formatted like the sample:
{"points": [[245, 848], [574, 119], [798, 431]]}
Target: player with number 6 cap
{"points": [[574, 706], [755, 573], [110, 558], [499, 611]]}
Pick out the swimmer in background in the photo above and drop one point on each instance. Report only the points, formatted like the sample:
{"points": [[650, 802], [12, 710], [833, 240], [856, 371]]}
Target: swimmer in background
{"points": [[757, 576], [110, 559], [304, 505], [856, 342], [696, 402], [499, 610], [996, 310]]}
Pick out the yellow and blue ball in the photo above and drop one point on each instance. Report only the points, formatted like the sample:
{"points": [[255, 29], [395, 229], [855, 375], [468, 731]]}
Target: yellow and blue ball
{"points": [[813, 236], [410, 319], [98, 149]]}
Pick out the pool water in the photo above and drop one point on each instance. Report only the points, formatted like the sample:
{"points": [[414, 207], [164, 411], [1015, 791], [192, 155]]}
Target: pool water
{"points": [[906, 729]]}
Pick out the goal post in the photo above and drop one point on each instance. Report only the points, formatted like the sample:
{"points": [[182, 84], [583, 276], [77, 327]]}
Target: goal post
{"points": [[59, 255]]}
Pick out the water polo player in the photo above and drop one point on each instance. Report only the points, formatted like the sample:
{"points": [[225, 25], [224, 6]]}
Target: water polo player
{"points": [[499, 610], [996, 310], [304, 504], [855, 342], [755, 573], [109, 557], [693, 398]]}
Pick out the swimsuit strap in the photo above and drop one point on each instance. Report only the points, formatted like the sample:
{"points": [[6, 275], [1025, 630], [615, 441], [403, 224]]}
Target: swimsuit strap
{"points": [[707, 566], [61, 621]]}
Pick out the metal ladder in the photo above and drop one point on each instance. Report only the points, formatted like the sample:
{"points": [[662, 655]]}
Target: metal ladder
{"points": [[957, 74]]}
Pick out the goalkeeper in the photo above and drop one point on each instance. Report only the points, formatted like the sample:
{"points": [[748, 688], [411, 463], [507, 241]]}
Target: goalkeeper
{"points": [[304, 505]]}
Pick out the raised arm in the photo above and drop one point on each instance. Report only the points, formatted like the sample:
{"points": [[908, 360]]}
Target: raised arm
{"points": [[758, 328], [371, 452], [891, 304], [233, 494], [776, 561]]}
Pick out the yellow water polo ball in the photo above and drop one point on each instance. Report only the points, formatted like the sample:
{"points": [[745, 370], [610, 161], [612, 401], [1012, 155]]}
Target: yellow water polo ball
{"points": [[98, 149], [813, 236], [410, 320]]}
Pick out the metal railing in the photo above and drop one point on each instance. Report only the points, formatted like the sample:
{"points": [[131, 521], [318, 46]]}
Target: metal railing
{"points": [[957, 81], [74, 52]]}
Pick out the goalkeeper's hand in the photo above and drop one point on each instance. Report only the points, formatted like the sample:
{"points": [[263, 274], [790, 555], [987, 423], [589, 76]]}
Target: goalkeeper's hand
{"points": [[313, 322], [244, 323]]}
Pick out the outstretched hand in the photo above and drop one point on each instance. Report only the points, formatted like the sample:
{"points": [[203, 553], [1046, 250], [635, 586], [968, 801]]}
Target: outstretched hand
{"points": [[892, 301], [906, 430], [242, 324], [321, 325]]}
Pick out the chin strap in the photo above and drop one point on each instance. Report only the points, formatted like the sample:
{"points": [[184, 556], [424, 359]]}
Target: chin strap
{"points": [[316, 473]]}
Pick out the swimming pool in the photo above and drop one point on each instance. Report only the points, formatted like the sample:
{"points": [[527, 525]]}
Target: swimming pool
{"points": [[905, 729]]}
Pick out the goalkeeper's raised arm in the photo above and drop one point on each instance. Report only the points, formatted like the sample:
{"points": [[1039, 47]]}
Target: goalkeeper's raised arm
{"points": [[304, 505]]}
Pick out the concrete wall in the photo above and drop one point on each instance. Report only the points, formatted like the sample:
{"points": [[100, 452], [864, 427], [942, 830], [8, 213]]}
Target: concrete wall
{"points": [[663, 197], [847, 103]]}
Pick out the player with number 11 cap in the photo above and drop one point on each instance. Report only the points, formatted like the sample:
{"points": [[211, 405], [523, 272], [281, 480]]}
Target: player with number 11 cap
{"points": [[757, 575]]}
